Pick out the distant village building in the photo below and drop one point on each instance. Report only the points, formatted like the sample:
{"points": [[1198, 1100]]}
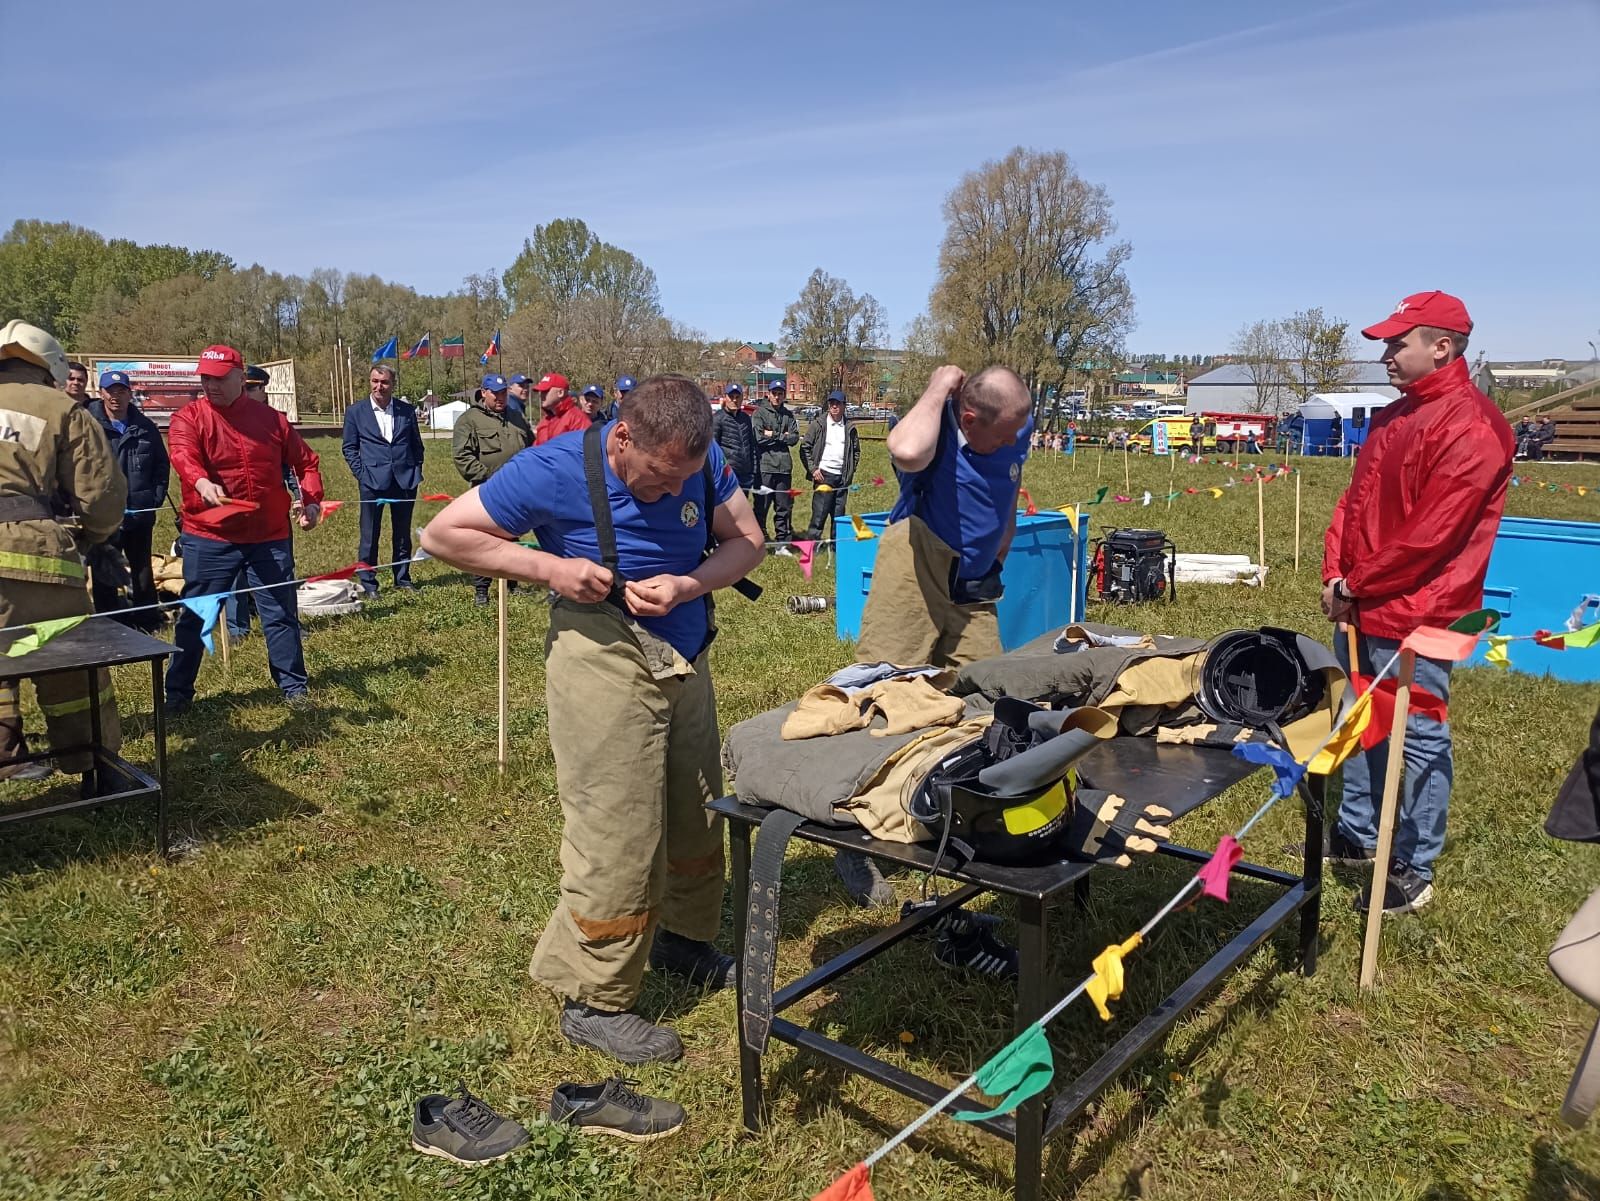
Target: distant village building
{"points": [[1229, 389]]}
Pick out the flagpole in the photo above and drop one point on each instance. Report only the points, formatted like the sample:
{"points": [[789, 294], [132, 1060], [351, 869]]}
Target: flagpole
{"points": [[430, 365], [500, 604]]}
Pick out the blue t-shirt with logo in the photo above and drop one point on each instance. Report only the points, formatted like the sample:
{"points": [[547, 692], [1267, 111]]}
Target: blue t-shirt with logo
{"points": [[543, 490], [965, 498]]}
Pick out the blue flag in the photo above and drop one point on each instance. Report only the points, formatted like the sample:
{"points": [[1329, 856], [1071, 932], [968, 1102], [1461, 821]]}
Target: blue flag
{"points": [[389, 350], [1285, 771], [206, 609]]}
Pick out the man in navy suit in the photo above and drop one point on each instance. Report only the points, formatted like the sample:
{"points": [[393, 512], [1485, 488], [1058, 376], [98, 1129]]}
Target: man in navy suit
{"points": [[383, 446]]}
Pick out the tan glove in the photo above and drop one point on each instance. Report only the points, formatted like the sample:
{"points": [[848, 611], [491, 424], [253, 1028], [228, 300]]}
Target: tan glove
{"points": [[1106, 827], [911, 704]]}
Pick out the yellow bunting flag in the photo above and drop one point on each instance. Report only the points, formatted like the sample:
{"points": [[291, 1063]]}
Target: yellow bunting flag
{"points": [[1346, 741], [41, 633], [1108, 976], [822, 488], [863, 531], [1216, 493], [1072, 514], [1498, 656]]}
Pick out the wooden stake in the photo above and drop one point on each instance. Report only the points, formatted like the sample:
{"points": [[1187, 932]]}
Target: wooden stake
{"points": [[501, 592], [1261, 527], [1126, 454], [1099, 459], [222, 640], [1297, 523], [1391, 798]]}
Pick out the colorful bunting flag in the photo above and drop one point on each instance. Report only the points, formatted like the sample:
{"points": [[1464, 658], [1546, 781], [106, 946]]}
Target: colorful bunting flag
{"points": [[1476, 622], [1147, 498], [1099, 496], [329, 507], [344, 573], [1108, 975], [1216, 493], [808, 554], [1213, 876], [1446, 645], [854, 1185], [437, 496], [206, 609], [1383, 701], [1032, 510], [42, 632], [1021, 1069], [862, 529], [1581, 639], [1498, 656], [1554, 642], [1286, 772], [877, 481], [1346, 740]]}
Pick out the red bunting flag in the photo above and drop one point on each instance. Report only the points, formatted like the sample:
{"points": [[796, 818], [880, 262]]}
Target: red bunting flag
{"points": [[437, 496], [1431, 643], [793, 492], [1032, 510], [1555, 642], [854, 1185], [877, 481], [344, 573], [1383, 699], [330, 507]]}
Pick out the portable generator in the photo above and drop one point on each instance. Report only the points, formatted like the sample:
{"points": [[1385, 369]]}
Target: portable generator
{"points": [[1136, 565]]}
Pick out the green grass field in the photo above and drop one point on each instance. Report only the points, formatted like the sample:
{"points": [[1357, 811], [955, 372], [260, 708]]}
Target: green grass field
{"points": [[350, 921]]}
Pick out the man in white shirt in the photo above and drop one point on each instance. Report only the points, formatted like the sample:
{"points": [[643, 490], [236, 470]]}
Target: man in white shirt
{"points": [[383, 448], [829, 454]]}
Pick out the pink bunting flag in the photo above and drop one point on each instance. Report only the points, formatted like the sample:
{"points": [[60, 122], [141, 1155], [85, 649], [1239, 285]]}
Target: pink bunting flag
{"points": [[1433, 643], [808, 552], [1213, 876], [344, 573], [877, 481], [1121, 499], [854, 1185], [1032, 510], [330, 507]]}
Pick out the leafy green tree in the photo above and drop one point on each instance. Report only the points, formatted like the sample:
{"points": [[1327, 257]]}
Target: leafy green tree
{"points": [[829, 330]]}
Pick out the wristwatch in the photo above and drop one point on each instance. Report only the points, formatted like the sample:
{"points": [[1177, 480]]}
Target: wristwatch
{"points": [[1341, 592]]}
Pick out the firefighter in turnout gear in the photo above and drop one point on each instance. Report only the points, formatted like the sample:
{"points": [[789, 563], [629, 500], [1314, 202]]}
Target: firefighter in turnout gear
{"points": [[60, 491]]}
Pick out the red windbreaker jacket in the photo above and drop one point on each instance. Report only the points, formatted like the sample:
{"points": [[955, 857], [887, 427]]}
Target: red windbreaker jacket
{"points": [[567, 418], [1412, 533], [244, 449]]}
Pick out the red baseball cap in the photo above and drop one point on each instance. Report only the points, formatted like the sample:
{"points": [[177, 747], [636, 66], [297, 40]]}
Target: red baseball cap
{"points": [[217, 361], [549, 380], [1438, 309]]}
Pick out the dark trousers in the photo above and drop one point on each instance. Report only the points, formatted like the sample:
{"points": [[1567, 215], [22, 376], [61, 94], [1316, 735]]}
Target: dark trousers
{"points": [[779, 501], [133, 540], [400, 535], [211, 566], [825, 505], [241, 609]]}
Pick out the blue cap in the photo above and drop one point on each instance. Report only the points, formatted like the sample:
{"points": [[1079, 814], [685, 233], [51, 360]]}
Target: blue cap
{"points": [[777, 385], [109, 379], [835, 395], [496, 383], [626, 383], [519, 378], [735, 388], [595, 390]]}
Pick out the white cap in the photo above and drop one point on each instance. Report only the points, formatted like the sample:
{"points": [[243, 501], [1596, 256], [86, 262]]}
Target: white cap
{"points": [[19, 340]]}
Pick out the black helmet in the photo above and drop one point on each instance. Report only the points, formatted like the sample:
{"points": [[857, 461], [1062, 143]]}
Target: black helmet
{"points": [[1259, 678]]}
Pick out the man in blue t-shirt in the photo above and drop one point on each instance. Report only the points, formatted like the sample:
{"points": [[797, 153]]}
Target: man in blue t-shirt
{"points": [[632, 716], [959, 455]]}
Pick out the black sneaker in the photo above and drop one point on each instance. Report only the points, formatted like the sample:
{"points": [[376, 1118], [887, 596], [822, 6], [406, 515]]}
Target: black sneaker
{"points": [[614, 1108], [1406, 892], [951, 921], [463, 1129], [178, 706], [862, 880], [977, 950], [480, 598], [700, 963], [1343, 851], [625, 1036]]}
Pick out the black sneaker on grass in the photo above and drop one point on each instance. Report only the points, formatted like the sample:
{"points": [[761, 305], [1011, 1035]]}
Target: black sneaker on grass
{"points": [[625, 1036], [1406, 892], [613, 1108], [463, 1129], [863, 880], [1343, 851], [977, 950], [700, 963], [951, 921]]}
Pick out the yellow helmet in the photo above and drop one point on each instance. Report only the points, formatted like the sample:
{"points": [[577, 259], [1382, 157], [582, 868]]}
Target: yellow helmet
{"points": [[19, 340]]}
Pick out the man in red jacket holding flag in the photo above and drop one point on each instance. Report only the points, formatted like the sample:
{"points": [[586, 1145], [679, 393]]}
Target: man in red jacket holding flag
{"points": [[1408, 546], [230, 450]]}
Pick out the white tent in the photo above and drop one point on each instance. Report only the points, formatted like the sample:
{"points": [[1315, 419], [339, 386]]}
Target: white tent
{"points": [[444, 416]]}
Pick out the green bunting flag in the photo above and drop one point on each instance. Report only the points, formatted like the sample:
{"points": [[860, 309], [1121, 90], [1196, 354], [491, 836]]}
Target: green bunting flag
{"points": [[1099, 496], [1582, 638], [1021, 1069], [1477, 622], [43, 632]]}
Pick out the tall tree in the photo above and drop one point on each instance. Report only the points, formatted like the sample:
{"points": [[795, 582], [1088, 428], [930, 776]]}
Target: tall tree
{"points": [[1320, 352], [1028, 275], [1262, 351], [829, 329]]}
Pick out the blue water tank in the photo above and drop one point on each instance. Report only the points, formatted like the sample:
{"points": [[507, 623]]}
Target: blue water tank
{"points": [[1540, 573], [1046, 576]]}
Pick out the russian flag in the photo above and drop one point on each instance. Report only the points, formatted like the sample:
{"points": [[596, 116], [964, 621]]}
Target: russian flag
{"points": [[419, 351], [491, 350]]}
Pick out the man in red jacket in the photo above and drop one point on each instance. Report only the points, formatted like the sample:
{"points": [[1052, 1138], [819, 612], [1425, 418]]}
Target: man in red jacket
{"points": [[1408, 546], [562, 413], [230, 450]]}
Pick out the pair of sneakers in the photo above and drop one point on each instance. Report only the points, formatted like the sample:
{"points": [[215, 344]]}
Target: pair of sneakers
{"points": [[1406, 891], [465, 1130]]}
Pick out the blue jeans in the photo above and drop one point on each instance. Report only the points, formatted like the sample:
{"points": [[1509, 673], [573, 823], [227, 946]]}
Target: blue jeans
{"points": [[240, 609], [212, 566], [1429, 769]]}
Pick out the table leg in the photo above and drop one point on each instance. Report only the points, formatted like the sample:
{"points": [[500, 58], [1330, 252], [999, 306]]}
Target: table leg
{"points": [[96, 734], [750, 1087], [1031, 980], [1311, 913], [158, 710]]}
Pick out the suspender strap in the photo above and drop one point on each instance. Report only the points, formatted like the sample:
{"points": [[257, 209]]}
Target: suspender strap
{"points": [[605, 531]]}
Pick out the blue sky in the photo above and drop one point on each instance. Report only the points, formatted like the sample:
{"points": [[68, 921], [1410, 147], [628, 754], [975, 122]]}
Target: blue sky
{"points": [[1262, 157]]}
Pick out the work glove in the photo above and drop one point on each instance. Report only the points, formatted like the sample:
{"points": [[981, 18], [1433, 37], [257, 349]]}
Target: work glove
{"points": [[1107, 828]]}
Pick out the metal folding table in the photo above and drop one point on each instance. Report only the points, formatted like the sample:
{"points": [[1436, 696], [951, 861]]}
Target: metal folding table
{"points": [[100, 643], [1177, 777]]}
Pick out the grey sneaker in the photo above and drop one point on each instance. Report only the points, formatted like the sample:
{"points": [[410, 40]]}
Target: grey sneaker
{"points": [[625, 1036], [463, 1129], [700, 963], [862, 880], [613, 1108], [39, 769], [1346, 853], [1404, 892]]}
